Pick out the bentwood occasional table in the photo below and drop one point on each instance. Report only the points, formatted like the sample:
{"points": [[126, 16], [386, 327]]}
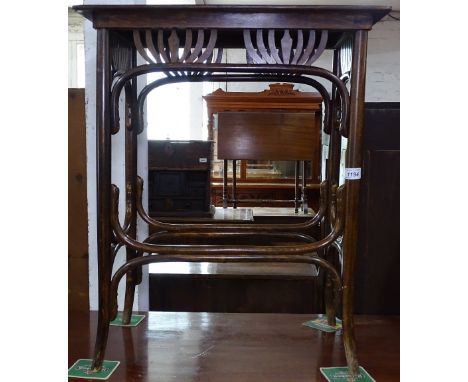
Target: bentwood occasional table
{"points": [[187, 43]]}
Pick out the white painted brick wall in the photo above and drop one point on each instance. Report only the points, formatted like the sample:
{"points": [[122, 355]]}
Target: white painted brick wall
{"points": [[383, 62]]}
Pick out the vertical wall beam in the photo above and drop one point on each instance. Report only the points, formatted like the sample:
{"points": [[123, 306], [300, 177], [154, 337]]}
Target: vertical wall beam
{"points": [[103, 160], [353, 160]]}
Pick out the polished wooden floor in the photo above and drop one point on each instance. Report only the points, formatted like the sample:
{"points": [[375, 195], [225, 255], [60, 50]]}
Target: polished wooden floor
{"points": [[241, 347]]}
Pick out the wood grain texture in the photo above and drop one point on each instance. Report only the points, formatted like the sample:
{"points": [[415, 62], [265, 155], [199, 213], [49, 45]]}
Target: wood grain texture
{"points": [[78, 289], [268, 136], [234, 17], [213, 347]]}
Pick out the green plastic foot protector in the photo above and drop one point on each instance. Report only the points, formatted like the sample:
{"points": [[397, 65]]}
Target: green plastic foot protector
{"points": [[134, 320], [340, 374], [81, 369]]}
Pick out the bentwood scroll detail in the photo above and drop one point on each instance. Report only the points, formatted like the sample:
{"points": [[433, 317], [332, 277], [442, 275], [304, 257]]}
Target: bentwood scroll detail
{"points": [[303, 53], [164, 46]]}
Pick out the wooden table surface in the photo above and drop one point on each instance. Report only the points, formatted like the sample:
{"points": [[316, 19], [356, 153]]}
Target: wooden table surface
{"points": [[214, 347]]}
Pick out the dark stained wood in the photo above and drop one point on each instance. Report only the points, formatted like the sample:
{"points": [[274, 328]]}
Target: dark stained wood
{"points": [[131, 158], [378, 267], [235, 288], [213, 347], [78, 285], [118, 22], [179, 178], [180, 155], [234, 17], [268, 136], [103, 168], [246, 294], [353, 160]]}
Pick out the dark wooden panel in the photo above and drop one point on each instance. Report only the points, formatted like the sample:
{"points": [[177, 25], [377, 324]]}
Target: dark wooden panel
{"points": [[382, 121], [268, 136], [214, 347], [234, 294], [78, 288], [181, 155], [378, 270], [235, 288], [378, 264]]}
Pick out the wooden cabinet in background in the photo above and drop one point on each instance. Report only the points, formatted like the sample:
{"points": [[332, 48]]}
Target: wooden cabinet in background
{"points": [[261, 178], [179, 178]]}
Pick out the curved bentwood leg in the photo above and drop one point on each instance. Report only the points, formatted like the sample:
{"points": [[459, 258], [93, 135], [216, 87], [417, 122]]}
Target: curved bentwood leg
{"points": [[353, 160], [103, 154]]}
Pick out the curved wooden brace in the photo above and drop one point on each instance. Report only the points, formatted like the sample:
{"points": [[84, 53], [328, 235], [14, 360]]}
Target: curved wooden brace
{"points": [[224, 249], [251, 51], [239, 78], [139, 46], [151, 47], [309, 48], [299, 46], [187, 46], [219, 55], [139, 261], [198, 46], [206, 235], [272, 46], [209, 48], [262, 49], [115, 249], [239, 68], [161, 47], [172, 227], [320, 48]]}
